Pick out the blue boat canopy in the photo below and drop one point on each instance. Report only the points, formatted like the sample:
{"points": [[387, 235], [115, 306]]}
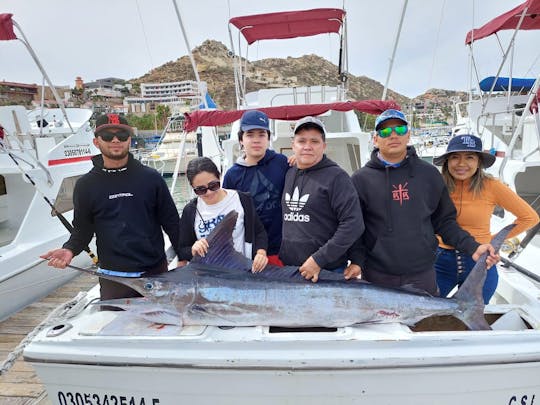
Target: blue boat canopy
{"points": [[502, 84]]}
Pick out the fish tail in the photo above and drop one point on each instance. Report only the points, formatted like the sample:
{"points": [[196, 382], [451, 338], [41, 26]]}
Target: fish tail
{"points": [[469, 296]]}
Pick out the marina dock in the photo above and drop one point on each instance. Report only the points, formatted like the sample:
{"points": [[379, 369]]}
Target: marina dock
{"points": [[19, 385]]}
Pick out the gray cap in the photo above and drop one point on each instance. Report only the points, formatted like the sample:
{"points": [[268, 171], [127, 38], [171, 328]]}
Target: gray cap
{"points": [[312, 121]]}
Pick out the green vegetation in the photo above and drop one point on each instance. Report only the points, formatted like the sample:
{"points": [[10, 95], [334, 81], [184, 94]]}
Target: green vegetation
{"points": [[143, 122]]}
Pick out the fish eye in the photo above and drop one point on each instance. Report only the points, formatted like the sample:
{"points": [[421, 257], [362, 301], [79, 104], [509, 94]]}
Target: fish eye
{"points": [[148, 286]]}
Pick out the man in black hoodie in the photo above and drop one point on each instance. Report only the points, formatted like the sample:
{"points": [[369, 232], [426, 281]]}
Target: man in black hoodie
{"points": [[126, 205], [321, 214], [404, 203]]}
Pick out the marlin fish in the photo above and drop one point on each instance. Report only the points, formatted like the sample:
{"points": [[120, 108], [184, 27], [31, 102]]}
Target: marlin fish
{"points": [[220, 290]]}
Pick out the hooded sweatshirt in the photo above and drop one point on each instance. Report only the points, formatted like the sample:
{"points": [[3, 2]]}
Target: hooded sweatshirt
{"points": [[126, 208], [404, 207], [321, 215], [264, 181]]}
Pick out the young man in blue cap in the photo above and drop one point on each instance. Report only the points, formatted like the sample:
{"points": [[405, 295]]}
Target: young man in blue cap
{"points": [[126, 205], [261, 172], [404, 202]]}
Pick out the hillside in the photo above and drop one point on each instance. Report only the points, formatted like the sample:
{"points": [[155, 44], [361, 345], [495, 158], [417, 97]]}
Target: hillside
{"points": [[215, 67]]}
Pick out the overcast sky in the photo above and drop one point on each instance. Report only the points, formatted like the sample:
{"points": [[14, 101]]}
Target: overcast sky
{"points": [[126, 38]]}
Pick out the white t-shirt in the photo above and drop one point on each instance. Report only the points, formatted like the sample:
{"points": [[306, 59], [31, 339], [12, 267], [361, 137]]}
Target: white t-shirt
{"points": [[208, 216]]}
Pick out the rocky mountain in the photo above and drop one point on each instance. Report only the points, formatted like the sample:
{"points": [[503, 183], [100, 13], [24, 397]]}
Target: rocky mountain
{"points": [[215, 66]]}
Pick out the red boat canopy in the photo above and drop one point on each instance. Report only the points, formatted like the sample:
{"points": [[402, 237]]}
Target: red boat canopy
{"points": [[289, 24], [509, 20], [205, 118]]}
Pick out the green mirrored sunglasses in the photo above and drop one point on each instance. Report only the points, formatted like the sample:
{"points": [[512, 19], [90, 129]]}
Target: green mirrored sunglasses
{"points": [[398, 129]]}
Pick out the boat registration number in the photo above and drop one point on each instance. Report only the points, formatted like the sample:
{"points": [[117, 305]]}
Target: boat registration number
{"points": [[524, 400], [78, 398]]}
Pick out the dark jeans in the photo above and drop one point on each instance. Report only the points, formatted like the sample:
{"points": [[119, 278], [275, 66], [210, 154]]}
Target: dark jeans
{"points": [[453, 267], [423, 281]]}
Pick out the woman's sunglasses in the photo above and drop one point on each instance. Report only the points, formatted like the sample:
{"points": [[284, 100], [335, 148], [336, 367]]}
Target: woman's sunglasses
{"points": [[108, 136], [399, 129], [212, 186]]}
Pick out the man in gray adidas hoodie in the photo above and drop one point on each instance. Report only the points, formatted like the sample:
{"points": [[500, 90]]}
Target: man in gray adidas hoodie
{"points": [[321, 211]]}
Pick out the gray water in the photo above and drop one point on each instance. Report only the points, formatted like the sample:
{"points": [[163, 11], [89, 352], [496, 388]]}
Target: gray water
{"points": [[182, 191]]}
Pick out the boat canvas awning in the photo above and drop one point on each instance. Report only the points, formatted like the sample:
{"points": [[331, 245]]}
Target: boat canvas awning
{"points": [[502, 84], [509, 20], [289, 24], [6, 28], [206, 118]]}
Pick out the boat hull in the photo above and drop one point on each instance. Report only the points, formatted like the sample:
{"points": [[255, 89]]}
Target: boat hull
{"points": [[99, 357], [124, 383]]}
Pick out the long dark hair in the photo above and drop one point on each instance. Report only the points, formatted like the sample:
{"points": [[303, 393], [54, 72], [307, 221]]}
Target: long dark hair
{"points": [[477, 180], [201, 164]]}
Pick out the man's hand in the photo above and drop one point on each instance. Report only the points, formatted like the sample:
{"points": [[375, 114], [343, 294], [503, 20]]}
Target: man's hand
{"points": [[291, 160], [310, 270], [352, 271], [491, 259], [59, 258], [259, 261]]}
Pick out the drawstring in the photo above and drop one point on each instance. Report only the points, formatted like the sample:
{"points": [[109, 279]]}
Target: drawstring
{"points": [[389, 225], [206, 224]]}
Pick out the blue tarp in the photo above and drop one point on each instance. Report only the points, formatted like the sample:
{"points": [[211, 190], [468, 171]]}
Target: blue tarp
{"points": [[211, 103], [503, 82]]}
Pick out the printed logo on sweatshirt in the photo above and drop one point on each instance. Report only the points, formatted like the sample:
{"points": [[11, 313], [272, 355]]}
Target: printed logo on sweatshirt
{"points": [[119, 195], [265, 195], [295, 204], [400, 193]]}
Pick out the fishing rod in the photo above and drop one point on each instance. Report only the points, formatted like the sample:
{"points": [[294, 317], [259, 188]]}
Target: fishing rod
{"points": [[522, 270], [58, 214], [104, 272]]}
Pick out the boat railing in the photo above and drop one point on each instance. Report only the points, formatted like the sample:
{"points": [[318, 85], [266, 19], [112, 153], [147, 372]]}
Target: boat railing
{"points": [[517, 133], [306, 95]]}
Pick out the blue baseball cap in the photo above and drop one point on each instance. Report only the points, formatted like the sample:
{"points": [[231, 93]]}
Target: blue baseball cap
{"points": [[466, 143], [254, 119], [388, 115]]}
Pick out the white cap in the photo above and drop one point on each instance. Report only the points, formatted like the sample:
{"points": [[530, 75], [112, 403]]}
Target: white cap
{"points": [[310, 120]]}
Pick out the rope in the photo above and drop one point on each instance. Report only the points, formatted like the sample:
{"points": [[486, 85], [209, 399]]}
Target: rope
{"points": [[436, 45], [144, 34], [64, 311]]}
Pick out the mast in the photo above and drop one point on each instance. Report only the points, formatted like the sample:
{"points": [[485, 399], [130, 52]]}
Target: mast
{"points": [[396, 41]]}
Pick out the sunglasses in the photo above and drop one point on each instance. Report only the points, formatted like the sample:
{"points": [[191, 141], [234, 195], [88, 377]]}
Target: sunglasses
{"points": [[399, 129], [108, 136], [212, 186]]}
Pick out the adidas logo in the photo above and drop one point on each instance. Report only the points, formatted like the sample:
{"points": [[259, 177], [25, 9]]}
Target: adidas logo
{"points": [[295, 204]]}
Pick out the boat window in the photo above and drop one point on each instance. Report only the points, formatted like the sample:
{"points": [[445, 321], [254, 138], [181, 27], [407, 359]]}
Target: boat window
{"points": [[15, 197], [64, 198]]}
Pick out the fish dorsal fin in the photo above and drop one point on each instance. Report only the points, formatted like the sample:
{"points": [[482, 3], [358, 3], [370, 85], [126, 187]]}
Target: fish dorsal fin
{"points": [[221, 250]]}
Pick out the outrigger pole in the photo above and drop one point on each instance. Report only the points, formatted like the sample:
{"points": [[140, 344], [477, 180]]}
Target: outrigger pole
{"points": [[62, 219], [5, 22]]}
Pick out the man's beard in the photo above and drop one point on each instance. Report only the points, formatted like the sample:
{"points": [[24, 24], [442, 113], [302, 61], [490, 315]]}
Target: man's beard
{"points": [[112, 156]]}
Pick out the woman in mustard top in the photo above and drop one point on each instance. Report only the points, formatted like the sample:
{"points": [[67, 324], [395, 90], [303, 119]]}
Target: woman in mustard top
{"points": [[475, 194]]}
